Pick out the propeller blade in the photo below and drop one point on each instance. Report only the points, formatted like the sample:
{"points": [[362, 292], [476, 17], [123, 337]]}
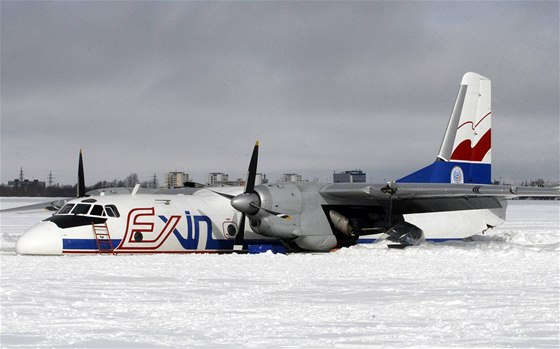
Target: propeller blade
{"points": [[250, 186], [227, 196], [81, 180], [238, 244]]}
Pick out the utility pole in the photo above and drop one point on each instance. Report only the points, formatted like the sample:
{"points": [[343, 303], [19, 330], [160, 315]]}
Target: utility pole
{"points": [[154, 181]]}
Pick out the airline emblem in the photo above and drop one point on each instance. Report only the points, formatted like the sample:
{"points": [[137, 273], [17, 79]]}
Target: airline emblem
{"points": [[146, 233], [140, 233], [457, 175]]}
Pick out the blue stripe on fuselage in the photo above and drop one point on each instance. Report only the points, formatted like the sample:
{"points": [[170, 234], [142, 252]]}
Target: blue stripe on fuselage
{"points": [[85, 244], [226, 245]]}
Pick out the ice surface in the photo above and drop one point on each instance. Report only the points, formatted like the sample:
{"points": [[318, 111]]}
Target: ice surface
{"points": [[499, 290]]}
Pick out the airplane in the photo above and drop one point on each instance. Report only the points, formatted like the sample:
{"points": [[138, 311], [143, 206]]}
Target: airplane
{"points": [[450, 199]]}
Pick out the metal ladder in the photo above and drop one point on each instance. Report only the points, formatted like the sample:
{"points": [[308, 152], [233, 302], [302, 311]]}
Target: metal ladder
{"points": [[102, 238]]}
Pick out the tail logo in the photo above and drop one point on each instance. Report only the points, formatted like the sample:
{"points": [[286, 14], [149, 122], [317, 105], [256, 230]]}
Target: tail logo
{"points": [[466, 152], [457, 175]]}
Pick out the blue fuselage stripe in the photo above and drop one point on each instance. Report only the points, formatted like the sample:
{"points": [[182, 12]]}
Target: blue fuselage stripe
{"points": [[91, 244], [85, 244]]}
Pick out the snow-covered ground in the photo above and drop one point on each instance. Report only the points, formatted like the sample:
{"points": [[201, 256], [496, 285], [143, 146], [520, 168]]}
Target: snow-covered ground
{"points": [[499, 290]]}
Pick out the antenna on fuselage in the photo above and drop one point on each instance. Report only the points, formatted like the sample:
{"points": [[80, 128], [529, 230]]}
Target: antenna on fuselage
{"points": [[136, 188]]}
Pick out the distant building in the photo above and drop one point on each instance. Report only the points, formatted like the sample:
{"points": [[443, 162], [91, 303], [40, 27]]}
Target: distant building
{"points": [[26, 183], [354, 176], [291, 177], [217, 178], [222, 179], [176, 179], [261, 179]]}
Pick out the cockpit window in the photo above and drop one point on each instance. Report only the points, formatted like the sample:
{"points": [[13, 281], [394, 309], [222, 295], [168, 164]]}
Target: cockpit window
{"points": [[112, 211], [81, 209], [97, 210], [66, 209]]}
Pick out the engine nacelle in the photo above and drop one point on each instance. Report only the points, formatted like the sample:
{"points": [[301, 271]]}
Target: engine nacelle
{"points": [[322, 243], [273, 226], [307, 226]]}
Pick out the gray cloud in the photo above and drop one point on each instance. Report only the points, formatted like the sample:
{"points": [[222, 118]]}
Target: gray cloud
{"points": [[155, 86]]}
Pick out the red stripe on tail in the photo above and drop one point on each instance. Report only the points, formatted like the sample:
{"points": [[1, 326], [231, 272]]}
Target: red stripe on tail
{"points": [[465, 151]]}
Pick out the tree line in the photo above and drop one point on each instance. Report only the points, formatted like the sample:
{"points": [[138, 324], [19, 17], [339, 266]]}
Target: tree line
{"points": [[38, 189]]}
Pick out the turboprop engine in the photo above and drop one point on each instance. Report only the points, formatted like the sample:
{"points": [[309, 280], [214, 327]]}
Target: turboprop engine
{"points": [[302, 224], [286, 211]]}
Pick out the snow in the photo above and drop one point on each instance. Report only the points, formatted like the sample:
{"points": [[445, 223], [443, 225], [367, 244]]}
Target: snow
{"points": [[499, 290]]}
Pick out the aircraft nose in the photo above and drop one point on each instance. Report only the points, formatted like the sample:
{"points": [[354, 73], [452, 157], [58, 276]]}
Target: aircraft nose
{"points": [[43, 239]]}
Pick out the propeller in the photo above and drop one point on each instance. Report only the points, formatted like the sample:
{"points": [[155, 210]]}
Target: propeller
{"points": [[248, 202], [81, 179], [242, 202]]}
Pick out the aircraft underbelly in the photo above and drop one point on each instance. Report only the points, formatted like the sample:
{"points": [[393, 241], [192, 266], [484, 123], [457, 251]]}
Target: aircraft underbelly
{"points": [[456, 224]]}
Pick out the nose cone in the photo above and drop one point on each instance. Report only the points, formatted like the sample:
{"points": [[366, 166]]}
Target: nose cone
{"points": [[43, 238]]}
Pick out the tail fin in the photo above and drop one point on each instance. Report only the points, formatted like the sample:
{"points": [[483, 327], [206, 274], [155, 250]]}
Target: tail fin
{"points": [[465, 153]]}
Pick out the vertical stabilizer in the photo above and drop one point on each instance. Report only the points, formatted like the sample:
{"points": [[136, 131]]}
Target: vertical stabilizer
{"points": [[468, 135], [465, 154]]}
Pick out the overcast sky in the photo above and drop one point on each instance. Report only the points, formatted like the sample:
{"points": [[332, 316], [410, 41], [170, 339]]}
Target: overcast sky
{"points": [[151, 87]]}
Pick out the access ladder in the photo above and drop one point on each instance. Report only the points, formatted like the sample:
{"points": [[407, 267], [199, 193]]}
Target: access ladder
{"points": [[102, 237]]}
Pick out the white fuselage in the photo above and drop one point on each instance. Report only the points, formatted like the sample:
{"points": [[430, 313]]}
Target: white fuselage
{"points": [[203, 223]]}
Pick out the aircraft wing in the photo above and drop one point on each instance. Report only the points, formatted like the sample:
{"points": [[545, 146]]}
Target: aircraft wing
{"points": [[48, 205], [346, 191]]}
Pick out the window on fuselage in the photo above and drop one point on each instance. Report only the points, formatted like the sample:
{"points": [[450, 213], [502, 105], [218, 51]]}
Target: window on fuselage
{"points": [[81, 209], [112, 211], [66, 209], [97, 210]]}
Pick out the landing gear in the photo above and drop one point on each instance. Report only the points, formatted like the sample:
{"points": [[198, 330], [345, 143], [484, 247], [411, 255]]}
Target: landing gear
{"points": [[404, 234]]}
